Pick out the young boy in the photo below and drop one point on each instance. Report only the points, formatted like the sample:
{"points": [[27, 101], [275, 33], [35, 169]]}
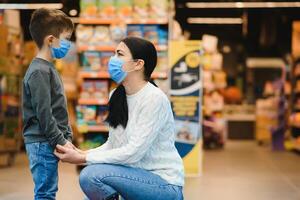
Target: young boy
{"points": [[45, 113]]}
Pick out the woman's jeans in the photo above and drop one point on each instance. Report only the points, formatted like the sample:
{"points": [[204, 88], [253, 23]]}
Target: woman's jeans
{"points": [[106, 181]]}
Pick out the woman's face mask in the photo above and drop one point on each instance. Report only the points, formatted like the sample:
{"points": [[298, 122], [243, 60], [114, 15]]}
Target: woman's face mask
{"points": [[115, 69]]}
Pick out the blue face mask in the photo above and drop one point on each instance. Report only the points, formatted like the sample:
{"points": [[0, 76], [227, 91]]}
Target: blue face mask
{"points": [[62, 50], [115, 69]]}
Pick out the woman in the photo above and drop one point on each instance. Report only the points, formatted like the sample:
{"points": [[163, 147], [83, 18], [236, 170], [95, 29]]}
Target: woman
{"points": [[139, 160]]}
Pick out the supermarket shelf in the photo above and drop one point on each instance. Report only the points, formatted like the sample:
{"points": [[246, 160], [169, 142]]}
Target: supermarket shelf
{"points": [[111, 48], [87, 74], [105, 75], [95, 128], [95, 20], [159, 75], [92, 102]]}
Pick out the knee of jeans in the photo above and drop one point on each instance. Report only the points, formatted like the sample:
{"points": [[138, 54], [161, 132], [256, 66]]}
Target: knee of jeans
{"points": [[85, 178]]}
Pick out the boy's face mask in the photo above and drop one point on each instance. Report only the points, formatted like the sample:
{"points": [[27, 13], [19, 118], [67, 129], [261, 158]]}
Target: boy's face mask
{"points": [[61, 51]]}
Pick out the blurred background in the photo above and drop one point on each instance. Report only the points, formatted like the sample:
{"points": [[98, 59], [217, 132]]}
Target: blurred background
{"points": [[231, 70]]}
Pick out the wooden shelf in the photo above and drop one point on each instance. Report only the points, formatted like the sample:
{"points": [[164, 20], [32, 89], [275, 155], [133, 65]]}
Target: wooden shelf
{"points": [[105, 75], [87, 74], [95, 20], [94, 128], [112, 48], [159, 75], [92, 102]]}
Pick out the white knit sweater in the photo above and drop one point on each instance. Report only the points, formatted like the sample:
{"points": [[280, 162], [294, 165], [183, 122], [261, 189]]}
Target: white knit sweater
{"points": [[148, 140]]}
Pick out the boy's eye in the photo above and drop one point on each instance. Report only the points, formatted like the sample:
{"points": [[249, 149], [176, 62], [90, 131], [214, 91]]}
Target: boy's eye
{"points": [[119, 54]]}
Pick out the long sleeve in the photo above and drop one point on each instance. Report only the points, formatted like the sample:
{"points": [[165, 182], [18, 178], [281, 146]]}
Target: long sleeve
{"points": [[69, 134], [39, 86], [144, 133]]}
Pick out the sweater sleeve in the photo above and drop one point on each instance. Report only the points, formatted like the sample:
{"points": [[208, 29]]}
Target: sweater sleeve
{"points": [[39, 85], [145, 131]]}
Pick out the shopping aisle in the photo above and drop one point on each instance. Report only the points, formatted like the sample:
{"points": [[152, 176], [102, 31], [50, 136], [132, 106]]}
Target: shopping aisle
{"points": [[245, 171], [240, 172]]}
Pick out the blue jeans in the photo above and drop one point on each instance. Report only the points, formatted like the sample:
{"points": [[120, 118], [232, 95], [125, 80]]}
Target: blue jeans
{"points": [[106, 181], [43, 166]]}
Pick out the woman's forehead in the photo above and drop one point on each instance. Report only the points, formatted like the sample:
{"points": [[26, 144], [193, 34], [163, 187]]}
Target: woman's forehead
{"points": [[122, 46]]}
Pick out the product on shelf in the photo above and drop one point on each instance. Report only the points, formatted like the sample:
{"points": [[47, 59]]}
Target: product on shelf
{"points": [[220, 79], [84, 34], [88, 8], [94, 90], [124, 8], [101, 36], [107, 8], [151, 33], [91, 115], [117, 32], [135, 30], [94, 142], [162, 36], [162, 61], [141, 8], [208, 80], [91, 60], [105, 56], [159, 9], [101, 90]]}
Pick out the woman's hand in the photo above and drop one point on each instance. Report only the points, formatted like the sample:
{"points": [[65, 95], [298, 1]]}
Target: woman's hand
{"points": [[70, 155]]}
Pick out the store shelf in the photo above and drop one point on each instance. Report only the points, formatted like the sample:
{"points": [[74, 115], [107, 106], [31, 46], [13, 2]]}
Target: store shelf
{"points": [[92, 102], [94, 20], [159, 75], [111, 48], [94, 128], [105, 75], [87, 74], [96, 48]]}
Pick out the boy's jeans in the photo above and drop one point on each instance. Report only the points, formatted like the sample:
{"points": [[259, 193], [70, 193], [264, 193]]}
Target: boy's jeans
{"points": [[43, 166]]}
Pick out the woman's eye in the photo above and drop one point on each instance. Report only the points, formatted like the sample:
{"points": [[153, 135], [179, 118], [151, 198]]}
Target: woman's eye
{"points": [[119, 54]]}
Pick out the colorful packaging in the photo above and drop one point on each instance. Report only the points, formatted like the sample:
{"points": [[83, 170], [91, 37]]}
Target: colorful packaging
{"points": [[162, 61], [105, 56], [101, 36], [107, 8], [91, 60], [135, 30], [101, 90], [162, 36], [151, 33], [88, 8], [141, 8], [159, 9], [84, 34], [117, 32], [124, 8]]}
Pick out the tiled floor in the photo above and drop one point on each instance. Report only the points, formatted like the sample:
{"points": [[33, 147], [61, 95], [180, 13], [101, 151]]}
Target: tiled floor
{"points": [[242, 171]]}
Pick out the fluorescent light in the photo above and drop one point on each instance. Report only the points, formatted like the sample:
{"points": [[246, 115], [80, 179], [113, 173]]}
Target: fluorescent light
{"points": [[264, 63], [29, 6], [214, 20], [243, 4]]}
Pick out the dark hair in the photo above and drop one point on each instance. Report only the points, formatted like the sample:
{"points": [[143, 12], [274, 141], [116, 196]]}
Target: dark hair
{"points": [[48, 22], [118, 108]]}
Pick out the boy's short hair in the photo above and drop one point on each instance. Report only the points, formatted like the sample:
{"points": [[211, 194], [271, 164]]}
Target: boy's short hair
{"points": [[48, 22]]}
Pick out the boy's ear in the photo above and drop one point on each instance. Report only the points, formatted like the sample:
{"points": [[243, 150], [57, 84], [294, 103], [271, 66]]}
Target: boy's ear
{"points": [[49, 39]]}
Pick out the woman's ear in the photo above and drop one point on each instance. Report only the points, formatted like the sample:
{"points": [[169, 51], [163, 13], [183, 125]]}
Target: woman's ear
{"points": [[140, 64]]}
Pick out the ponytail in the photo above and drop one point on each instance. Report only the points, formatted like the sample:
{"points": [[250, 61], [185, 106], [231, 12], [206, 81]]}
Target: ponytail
{"points": [[118, 108]]}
